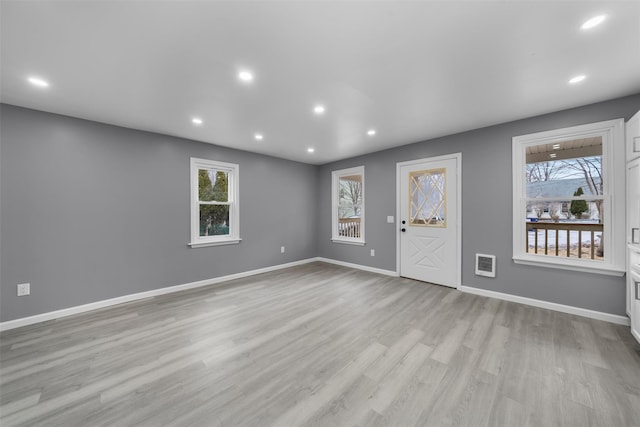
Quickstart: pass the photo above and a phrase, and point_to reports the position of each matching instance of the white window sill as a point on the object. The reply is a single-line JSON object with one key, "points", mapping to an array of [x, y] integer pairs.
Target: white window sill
{"points": [[216, 243], [583, 266], [349, 242]]}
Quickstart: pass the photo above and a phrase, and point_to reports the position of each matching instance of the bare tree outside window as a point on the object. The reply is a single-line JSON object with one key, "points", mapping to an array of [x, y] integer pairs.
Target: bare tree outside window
{"points": [[544, 171], [350, 197]]}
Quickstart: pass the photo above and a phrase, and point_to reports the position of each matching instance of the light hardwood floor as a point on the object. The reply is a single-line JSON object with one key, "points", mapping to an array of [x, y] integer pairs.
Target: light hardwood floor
{"points": [[320, 345]]}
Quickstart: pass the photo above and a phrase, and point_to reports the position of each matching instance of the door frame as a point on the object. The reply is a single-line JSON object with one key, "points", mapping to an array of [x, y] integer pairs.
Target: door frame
{"points": [[399, 165]]}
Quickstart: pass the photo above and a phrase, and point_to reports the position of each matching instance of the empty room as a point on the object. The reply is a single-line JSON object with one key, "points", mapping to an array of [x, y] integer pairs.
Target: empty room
{"points": [[319, 213]]}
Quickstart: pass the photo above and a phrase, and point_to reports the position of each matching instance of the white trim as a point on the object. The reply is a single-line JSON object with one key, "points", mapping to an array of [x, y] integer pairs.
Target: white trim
{"points": [[584, 312], [335, 191], [612, 133], [585, 266], [635, 335], [586, 198], [12, 324], [219, 243], [38, 318], [358, 266], [399, 165], [348, 242]]}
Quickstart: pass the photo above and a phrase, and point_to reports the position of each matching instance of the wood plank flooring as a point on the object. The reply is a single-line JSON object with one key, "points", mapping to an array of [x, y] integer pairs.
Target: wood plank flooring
{"points": [[320, 345]]}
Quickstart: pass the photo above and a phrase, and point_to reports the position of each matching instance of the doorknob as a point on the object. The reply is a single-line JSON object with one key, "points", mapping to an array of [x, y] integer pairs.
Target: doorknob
{"points": [[404, 222]]}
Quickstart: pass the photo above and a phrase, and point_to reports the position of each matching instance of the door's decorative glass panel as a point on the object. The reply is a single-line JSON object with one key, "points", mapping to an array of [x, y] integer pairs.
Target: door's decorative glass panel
{"points": [[427, 195]]}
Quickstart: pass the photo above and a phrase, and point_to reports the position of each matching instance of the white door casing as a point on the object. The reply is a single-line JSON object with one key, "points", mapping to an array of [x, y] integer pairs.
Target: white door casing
{"points": [[428, 198]]}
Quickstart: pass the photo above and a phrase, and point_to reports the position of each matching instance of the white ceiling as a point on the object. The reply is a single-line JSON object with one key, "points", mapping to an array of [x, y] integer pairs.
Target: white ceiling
{"points": [[411, 70]]}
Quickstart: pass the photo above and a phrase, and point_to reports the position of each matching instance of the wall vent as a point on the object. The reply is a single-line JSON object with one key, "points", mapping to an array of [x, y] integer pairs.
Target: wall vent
{"points": [[486, 265]]}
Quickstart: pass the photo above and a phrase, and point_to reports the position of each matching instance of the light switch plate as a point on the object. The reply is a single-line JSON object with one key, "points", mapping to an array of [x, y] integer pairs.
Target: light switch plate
{"points": [[24, 289]]}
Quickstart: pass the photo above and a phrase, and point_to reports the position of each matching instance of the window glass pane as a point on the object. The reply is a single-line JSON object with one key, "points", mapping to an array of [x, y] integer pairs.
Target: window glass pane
{"points": [[565, 169], [350, 198], [349, 227], [347, 195], [213, 186], [214, 220], [427, 191], [574, 233]]}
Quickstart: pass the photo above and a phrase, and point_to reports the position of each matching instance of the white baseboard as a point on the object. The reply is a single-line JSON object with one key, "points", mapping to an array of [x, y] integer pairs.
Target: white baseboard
{"points": [[12, 324], [358, 266], [635, 335], [584, 312]]}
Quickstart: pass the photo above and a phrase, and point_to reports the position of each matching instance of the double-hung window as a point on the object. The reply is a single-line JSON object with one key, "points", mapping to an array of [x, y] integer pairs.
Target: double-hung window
{"points": [[568, 198], [347, 195], [214, 203]]}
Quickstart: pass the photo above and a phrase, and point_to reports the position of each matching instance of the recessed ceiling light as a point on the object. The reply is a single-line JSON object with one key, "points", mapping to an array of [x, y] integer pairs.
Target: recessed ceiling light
{"points": [[577, 79], [371, 132], [593, 22], [310, 150], [258, 137], [196, 121], [319, 109], [245, 76], [553, 155], [556, 146], [37, 81]]}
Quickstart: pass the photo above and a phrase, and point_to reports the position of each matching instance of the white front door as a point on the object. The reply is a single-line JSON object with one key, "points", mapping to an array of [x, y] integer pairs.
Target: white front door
{"points": [[429, 219]]}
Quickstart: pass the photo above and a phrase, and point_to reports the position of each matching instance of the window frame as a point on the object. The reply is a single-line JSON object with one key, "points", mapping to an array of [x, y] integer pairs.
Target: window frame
{"points": [[233, 171], [335, 203], [613, 162]]}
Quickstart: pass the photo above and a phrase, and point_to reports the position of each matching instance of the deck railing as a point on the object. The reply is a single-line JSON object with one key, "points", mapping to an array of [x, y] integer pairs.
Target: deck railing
{"points": [[349, 227], [563, 239]]}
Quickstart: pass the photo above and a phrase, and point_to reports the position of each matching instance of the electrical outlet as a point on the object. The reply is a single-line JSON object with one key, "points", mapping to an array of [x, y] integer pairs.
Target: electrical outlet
{"points": [[373, 252], [281, 249], [24, 289], [390, 219]]}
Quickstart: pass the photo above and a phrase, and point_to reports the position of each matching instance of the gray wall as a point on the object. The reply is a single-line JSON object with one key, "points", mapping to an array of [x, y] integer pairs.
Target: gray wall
{"points": [[487, 207], [91, 211]]}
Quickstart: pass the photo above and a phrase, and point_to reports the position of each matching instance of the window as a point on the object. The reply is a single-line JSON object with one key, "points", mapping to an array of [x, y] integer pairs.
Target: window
{"points": [[568, 198], [347, 194], [214, 203]]}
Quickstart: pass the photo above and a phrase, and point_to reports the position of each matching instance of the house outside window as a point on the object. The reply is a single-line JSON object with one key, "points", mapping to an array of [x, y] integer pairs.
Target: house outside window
{"points": [[347, 195], [568, 198], [214, 203]]}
